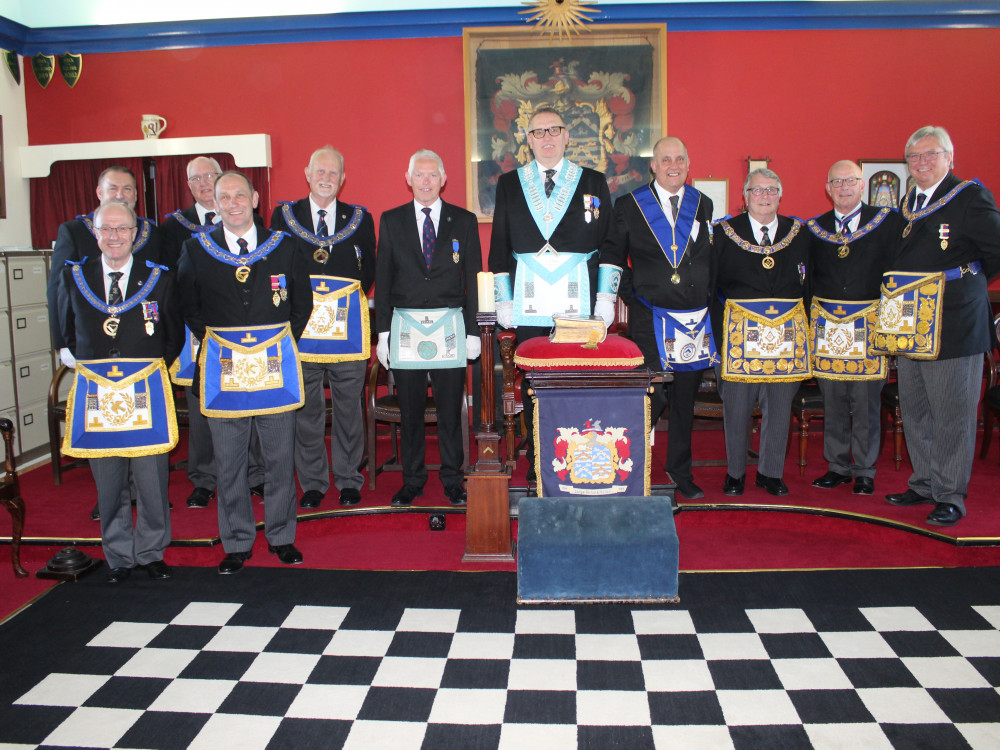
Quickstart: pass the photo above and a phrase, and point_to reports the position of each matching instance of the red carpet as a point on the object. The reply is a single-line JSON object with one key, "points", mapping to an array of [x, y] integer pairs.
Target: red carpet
{"points": [[715, 533]]}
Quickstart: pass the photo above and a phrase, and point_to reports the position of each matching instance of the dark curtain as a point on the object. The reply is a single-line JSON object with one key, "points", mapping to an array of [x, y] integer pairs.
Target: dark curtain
{"points": [[172, 191], [69, 191]]}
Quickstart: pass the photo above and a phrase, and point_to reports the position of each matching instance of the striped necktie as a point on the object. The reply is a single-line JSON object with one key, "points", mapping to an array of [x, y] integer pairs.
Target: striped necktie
{"points": [[115, 292], [321, 228]]}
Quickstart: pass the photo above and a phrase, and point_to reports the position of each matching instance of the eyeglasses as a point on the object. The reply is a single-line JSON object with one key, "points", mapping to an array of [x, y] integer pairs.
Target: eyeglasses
{"points": [[846, 182], [759, 191], [206, 177], [928, 156], [112, 231], [553, 130]]}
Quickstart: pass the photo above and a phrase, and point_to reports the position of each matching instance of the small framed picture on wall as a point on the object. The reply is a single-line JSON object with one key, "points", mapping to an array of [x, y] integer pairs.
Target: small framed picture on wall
{"points": [[886, 181]]}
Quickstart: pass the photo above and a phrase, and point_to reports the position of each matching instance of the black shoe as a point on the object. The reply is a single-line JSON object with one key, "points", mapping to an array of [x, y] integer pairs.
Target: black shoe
{"points": [[944, 514], [233, 561], [907, 498], [159, 570], [258, 490], [311, 499], [95, 513], [830, 480], [287, 553], [688, 489], [456, 495], [733, 486], [199, 497], [772, 485], [864, 486], [350, 496], [117, 575], [407, 495]]}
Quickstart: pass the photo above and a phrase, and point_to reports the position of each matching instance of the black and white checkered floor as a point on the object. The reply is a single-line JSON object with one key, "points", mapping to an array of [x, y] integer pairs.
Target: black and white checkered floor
{"points": [[377, 673]]}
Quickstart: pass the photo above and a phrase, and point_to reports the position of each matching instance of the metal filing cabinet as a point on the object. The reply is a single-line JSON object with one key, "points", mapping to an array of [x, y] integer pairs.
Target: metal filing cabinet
{"points": [[26, 359]]}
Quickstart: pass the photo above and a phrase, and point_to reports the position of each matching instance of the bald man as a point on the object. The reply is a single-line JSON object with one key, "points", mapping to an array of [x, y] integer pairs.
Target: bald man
{"points": [[850, 251]]}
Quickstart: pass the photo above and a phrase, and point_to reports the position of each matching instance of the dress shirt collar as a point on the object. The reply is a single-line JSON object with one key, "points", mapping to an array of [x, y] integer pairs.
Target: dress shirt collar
{"points": [[435, 208], [202, 211], [558, 167], [250, 237], [853, 223], [663, 195], [930, 191], [772, 229], [125, 270], [331, 214]]}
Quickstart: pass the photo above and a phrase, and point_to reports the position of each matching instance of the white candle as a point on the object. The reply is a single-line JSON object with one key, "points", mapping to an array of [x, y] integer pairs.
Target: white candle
{"points": [[487, 303]]}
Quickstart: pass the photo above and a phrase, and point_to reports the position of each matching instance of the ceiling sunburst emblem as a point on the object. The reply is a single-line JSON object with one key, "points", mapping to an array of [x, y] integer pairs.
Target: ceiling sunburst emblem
{"points": [[563, 17]]}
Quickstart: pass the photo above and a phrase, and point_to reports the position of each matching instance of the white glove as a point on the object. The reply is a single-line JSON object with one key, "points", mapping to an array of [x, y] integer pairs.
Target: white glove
{"points": [[505, 313], [382, 349], [67, 358], [605, 309], [473, 347]]}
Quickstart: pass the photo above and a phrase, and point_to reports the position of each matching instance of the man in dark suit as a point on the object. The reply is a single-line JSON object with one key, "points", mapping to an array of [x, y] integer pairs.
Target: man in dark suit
{"points": [[149, 327], [549, 213], [850, 251], [666, 231], [426, 297], [233, 279], [952, 227], [337, 242], [178, 228], [760, 325]]}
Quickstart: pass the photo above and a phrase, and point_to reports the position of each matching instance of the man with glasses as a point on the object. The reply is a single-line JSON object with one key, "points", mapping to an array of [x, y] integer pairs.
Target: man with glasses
{"points": [[850, 251], [552, 224], [666, 231], [337, 241], [951, 228], [760, 325], [77, 239], [115, 309], [181, 225], [246, 296]]}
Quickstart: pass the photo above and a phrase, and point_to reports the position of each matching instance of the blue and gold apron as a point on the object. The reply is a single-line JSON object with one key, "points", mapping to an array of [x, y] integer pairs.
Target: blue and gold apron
{"points": [[766, 340], [338, 329], [842, 333]]}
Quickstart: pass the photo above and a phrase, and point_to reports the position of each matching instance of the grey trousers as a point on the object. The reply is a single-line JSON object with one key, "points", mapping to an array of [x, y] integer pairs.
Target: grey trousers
{"points": [[125, 546], [201, 455], [738, 401], [938, 400], [347, 445], [851, 427], [231, 441]]}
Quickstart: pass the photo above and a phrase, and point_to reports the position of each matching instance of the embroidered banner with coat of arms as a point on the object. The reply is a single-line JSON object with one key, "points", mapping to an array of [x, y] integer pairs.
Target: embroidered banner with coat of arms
{"points": [[120, 407], [249, 371], [842, 333], [338, 329], [592, 442]]}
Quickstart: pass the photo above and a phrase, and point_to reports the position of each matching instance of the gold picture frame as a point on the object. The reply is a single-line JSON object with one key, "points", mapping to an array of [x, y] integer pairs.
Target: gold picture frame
{"points": [[610, 83]]}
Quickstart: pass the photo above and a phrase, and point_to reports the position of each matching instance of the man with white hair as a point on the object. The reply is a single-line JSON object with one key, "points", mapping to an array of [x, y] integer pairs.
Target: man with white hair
{"points": [[952, 230], [426, 299], [761, 329], [337, 241]]}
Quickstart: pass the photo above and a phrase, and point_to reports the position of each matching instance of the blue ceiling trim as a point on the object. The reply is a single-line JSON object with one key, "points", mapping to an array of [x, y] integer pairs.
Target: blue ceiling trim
{"points": [[716, 16]]}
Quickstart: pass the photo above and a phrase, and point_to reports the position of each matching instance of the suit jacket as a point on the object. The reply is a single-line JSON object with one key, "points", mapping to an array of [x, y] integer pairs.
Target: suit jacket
{"points": [[402, 278], [650, 271], [344, 258], [859, 275], [972, 223], [82, 325], [515, 231], [741, 274], [176, 234], [75, 242], [211, 295]]}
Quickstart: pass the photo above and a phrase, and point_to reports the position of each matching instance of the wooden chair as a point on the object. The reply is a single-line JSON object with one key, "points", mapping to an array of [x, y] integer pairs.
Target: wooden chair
{"points": [[57, 415], [991, 394], [806, 406], [385, 408], [892, 416], [10, 494]]}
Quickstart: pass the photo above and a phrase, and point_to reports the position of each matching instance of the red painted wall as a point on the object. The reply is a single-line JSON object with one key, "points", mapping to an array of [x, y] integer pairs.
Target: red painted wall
{"points": [[805, 99]]}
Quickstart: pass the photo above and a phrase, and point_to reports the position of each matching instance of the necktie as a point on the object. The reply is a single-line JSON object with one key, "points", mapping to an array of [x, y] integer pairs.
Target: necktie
{"points": [[845, 225], [209, 218], [115, 292], [766, 240], [674, 207], [921, 200], [549, 182], [244, 246], [321, 228], [430, 239]]}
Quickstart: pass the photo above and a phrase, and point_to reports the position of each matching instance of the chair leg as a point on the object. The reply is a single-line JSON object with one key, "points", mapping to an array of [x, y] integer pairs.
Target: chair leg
{"points": [[987, 429], [372, 462], [897, 438], [803, 443], [55, 454], [15, 506]]}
